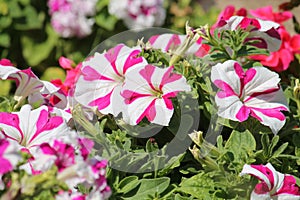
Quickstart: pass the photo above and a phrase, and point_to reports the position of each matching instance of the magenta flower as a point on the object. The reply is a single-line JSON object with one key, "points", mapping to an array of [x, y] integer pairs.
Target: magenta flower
{"points": [[169, 42], [255, 93], [103, 76], [31, 128], [265, 31], [9, 157], [273, 185], [266, 13], [148, 92]]}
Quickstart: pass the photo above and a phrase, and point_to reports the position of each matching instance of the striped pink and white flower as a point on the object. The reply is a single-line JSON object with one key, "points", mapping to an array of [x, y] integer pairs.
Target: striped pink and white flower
{"points": [[103, 76], [170, 42], [30, 128], [9, 157], [264, 31], [273, 185], [148, 93], [255, 93]]}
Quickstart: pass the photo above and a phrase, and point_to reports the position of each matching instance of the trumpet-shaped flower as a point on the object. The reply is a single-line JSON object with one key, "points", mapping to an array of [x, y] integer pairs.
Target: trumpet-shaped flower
{"points": [[253, 93], [31, 128], [9, 157], [169, 42], [273, 185], [264, 31], [148, 93], [103, 76], [28, 84]]}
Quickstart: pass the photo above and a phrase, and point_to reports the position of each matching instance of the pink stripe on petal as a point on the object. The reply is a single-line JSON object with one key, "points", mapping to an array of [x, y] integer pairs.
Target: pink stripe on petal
{"points": [[147, 73], [239, 70], [254, 95], [273, 33], [131, 96], [227, 91], [272, 112], [173, 42], [266, 171], [250, 74], [289, 186], [243, 113], [46, 149], [112, 55], [102, 102], [153, 39], [11, 120], [132, 60], [261, 188], [3, 146], [169, 77], [90, 74], [149, 112]]}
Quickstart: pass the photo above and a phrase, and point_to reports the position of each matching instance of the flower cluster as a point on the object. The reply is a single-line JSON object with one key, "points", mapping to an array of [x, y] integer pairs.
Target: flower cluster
{"points": [[65, 13], [138, 13], [121, 81]]}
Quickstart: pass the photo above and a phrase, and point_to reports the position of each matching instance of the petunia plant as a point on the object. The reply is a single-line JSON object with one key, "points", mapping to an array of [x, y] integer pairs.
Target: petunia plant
{"points": [[168, 116]]}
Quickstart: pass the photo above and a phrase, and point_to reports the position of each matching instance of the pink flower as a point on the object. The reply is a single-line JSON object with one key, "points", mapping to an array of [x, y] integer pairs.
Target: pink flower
{"points": [[266, 13], [265, 31], [103, 76], [148, 92], [170, 42], [64, 13], [138, 13], [273, 185], [228, 12], [255, 93], [281, 59], [5, 62], [9, 157], [31, 128], [28, 84]]}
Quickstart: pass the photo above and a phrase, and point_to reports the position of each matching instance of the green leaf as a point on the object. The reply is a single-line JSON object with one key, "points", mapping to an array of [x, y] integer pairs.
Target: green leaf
{"points": [[52, 73], [280, 150], [4, 40], [128, 184], [106, 21], [199, 186], [35, 52], [149, 187], [241, 143]]}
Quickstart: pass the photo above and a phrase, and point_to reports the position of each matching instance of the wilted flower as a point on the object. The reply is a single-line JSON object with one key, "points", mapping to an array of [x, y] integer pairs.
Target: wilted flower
{"points": [[138, 13], [148, 92], [274, 185], [253, 93]]}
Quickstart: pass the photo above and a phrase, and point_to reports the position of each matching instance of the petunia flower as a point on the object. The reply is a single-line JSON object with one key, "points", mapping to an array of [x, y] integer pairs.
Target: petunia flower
{"points": [[255, 93], [170, 42], [228, 12], [274, 185], [137, 13], [28, 84], [31, 128], [280, 60], [267, 13], [148, 93], [103, 76], [9, 157], [265, 31]]}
